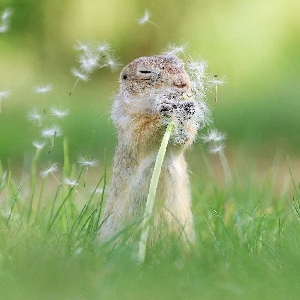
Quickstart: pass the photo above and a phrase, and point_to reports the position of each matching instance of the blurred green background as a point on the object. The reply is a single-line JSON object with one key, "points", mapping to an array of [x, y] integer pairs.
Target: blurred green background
{"points": [[255, 43]]}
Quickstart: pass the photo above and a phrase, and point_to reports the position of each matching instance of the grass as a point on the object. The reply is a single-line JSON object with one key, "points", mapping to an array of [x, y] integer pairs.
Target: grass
{"points": [[248, 244], [248, 234]]}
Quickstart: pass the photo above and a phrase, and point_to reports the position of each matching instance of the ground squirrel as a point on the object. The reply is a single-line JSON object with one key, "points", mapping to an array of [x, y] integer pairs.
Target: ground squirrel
{"points": [[153, 91]]}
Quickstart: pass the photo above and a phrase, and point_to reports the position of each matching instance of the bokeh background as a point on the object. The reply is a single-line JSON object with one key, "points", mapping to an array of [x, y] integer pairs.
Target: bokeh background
{"points": [[254, 43]]}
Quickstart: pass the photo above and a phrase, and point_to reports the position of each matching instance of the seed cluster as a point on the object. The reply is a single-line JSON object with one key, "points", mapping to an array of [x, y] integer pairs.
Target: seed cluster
{"points": [[180, 112]]}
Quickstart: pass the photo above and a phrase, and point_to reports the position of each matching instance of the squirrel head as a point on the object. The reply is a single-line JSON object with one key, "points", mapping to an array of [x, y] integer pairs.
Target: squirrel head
{"points": [[149, 76]]}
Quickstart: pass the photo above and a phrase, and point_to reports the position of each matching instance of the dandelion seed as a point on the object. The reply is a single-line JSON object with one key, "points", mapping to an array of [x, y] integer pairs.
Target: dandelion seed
{"points": [[78, 251], [146, 19], [5, 20], [175, 49], [35, 116], [38, 145], [43, 89], [217, 148], [50, 132], [198, 68], [214, 136], [82, 47], [112, 62], [99, 191], [89, 61], [6, 14], [87, 163], [103, 47], [215, 82], [71, 182], [204, 114], [3, 94], [59, 113], [52, 169], [80, 76], [3, 28], [197, 71]]}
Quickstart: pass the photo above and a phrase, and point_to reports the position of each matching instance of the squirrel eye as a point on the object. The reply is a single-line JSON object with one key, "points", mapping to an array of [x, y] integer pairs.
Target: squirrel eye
{"points": [[145, 73], [124, 76]]}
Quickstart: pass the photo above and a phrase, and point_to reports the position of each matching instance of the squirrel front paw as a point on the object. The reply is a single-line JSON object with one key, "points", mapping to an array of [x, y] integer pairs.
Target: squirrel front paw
{"points": [[183, 113], [167, 109], [186, 110], [181, 110]]}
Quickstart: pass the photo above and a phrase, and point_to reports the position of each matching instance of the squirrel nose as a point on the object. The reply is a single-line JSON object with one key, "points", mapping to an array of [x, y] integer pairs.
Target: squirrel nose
{"points": [[181, 82]]}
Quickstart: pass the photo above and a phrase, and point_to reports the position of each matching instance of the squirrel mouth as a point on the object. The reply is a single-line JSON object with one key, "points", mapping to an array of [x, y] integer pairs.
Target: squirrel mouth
{"points": [[180, 85]]}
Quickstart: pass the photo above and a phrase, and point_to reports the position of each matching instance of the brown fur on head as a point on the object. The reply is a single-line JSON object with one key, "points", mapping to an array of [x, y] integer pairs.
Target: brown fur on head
{"points": [[152, 90], [149, 75]]}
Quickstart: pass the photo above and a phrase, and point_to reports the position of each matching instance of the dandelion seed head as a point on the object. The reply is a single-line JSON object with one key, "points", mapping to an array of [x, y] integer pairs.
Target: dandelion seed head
{"points": [[59, 113], [52, 131], [52, 169], [80, 75], [43, 89], [87, 162]]}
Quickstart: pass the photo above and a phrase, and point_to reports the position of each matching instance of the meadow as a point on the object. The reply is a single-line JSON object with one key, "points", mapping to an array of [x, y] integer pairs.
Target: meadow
{"points": [[52, 191]]}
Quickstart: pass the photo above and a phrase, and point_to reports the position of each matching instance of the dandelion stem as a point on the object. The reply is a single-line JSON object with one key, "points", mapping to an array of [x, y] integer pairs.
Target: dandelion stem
{"points": [[154, 24], [85, 176], [152, 193], [33, 178], [74, 86], [225, 167], [66, 169]]}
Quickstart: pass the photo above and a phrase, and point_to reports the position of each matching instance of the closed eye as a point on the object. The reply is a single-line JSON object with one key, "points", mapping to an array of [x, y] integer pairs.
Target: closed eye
{"points": [[146, 74], [145, 71]]}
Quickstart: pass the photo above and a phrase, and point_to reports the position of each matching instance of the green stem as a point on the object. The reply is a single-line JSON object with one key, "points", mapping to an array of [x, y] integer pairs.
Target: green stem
{"points": [[152, 193], [225, 167]]}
